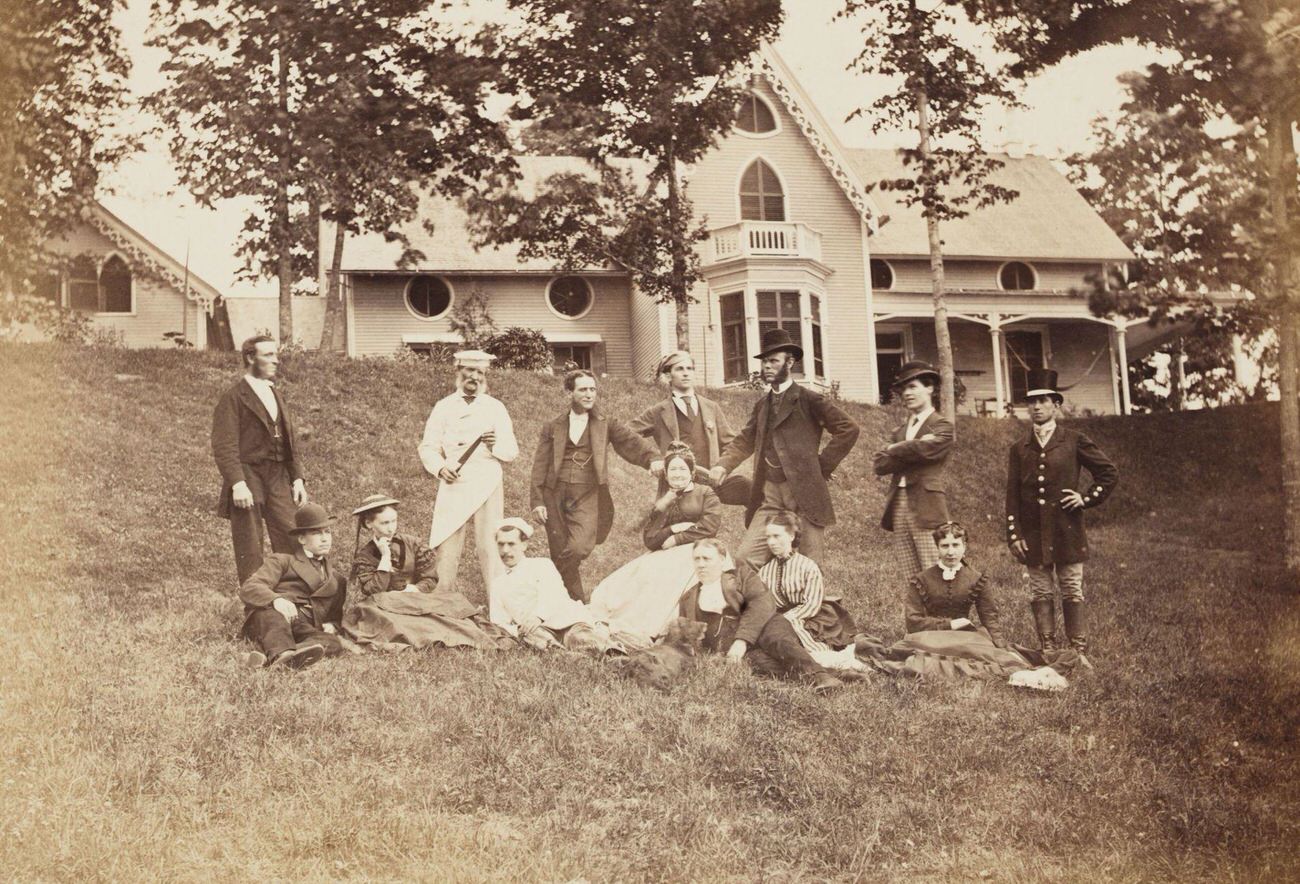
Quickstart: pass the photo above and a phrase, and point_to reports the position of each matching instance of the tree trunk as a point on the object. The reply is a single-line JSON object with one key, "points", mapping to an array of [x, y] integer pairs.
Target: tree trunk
{"points": [[1178, 377], [1281, 192], [943, 342], [330, 331], [283, 223], [677, 238]]}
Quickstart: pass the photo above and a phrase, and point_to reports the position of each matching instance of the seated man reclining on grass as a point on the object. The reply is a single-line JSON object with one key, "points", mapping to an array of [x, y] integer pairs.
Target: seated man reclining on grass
{"points": [[294, 602], [534, 604]]}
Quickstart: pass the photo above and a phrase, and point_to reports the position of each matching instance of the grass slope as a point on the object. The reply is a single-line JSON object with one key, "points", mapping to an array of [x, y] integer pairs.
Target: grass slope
{"points": [[136, 747]]}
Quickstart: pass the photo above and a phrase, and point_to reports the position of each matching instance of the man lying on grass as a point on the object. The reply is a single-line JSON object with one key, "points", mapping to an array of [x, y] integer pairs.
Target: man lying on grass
{"points": [[535, 605], [294, 602]]}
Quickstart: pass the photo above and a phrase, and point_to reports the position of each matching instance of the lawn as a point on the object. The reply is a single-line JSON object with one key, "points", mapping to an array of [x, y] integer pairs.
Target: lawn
{"points": [[136, 746]]}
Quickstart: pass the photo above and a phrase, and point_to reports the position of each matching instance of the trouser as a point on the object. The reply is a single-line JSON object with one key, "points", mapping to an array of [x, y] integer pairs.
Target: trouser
{"points": [[778, 652], [1068, 575], [778, 496], [268, 629], [733, 490], [571, 533], [486, 519], [916, 547], [273, 505]]}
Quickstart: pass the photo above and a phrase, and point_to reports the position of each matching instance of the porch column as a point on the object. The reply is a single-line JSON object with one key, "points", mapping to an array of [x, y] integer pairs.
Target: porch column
{"points": [[995, 333], [1114, 371], [1121, 346]]}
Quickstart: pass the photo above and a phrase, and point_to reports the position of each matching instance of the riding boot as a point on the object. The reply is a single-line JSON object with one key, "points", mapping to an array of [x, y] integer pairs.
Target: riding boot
{"points": [[1076, 624], [1045, 621]]}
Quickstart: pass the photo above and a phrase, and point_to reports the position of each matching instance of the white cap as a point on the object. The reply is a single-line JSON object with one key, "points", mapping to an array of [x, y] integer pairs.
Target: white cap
{"points": [[473, 358], [518, 524]]}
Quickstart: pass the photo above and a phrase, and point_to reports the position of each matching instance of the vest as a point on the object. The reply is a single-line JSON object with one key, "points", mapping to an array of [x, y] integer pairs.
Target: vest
{"points": [[770, 456], [577, 467], [691, 431], [279, 453]]}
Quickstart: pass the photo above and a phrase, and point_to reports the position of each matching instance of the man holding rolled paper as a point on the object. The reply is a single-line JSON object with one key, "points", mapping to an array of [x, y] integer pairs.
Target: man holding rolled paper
{"points": [[466, 439]]}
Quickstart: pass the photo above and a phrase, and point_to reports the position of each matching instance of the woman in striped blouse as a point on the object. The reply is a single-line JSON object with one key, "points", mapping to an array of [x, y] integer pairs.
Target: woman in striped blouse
{"points": [[818, 618]]}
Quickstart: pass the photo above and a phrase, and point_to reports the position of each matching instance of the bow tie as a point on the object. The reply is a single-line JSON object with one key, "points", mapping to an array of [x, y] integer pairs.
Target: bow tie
{"points": [[468, 399]]}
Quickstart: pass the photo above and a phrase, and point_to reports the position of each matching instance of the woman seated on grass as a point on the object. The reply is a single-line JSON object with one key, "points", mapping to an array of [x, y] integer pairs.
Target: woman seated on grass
{"points": [[941, 597], [396, 577], [642, 596], [818, 618]]}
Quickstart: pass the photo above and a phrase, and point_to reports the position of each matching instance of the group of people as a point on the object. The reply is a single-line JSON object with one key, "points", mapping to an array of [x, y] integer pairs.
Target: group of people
{"points": [[768, 603]]}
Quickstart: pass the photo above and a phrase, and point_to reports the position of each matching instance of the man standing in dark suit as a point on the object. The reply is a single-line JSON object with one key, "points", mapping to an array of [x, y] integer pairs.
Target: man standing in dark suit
{"points": [[255, 449], [688, 417], [1045, 510], [570, 481], [914, 459], [791, 470]]}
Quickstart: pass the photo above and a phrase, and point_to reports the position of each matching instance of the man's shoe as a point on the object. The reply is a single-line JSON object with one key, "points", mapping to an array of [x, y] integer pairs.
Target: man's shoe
{"points": [[824, 683], [298, 658], [254, 660]]}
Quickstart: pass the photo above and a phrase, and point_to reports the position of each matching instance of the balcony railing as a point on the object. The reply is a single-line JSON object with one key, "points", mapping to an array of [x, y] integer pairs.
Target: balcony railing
{"points": [[769, 239]]}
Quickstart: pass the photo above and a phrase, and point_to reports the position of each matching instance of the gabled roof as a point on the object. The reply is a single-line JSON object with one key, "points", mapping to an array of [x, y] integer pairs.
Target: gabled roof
{"points": [[1049, 220], [143, 252]]}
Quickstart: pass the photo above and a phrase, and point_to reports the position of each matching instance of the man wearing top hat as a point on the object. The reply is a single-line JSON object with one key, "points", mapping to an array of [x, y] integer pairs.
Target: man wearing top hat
{"points": [[1045, 509], [570, 478], [686, 416], [914, 459], [467, 438], [256, 452], [791, 469], [294, 601]]}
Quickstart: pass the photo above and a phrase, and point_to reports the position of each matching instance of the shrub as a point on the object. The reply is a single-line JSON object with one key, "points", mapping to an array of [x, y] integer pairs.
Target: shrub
{"points": [[516, 347], [472, 321]]}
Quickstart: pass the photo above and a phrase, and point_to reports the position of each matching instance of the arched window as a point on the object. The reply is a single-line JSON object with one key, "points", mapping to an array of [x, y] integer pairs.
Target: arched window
{"points": [[569, 296], [1016, 276], [428, 297], [882, 275], [83, 284], [754, 116], [115, 286], [761, 198]]}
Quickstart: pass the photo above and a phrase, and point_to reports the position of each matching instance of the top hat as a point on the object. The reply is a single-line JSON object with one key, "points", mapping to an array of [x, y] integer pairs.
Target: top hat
{"points": [[1042, 382], [777, 339], [374, 502], [309, 517], [910, 371]]}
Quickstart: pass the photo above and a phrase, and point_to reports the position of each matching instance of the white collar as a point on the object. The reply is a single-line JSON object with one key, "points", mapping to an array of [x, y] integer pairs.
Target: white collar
{"points": [[783, 387], [921, 416], [258, 382], [1045, 431], [689, 394], [579, 418], [949, 575]]}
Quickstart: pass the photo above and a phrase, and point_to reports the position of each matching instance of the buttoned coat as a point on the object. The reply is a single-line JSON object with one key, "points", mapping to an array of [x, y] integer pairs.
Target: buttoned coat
{"points": [[802, 416], [921, 462], [1036, 478], [749, 607], [659, 422], [603, 434], [243, 433], [933, 603], [296, 578]]}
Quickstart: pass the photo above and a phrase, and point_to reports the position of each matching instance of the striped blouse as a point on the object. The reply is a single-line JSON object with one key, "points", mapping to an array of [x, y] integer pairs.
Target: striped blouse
{"points": [[796, 583]]}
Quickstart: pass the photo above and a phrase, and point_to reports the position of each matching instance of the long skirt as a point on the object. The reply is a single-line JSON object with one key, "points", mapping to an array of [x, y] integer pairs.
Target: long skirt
{"points": [[423, 620], [642, 596]]}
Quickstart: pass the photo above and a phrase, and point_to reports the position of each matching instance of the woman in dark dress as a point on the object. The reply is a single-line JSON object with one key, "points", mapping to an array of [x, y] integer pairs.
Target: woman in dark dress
{"points": [[942, 596]]}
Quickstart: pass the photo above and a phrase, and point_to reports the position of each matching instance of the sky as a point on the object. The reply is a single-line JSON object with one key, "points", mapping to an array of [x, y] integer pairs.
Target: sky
{"points": [[1059, 108]]}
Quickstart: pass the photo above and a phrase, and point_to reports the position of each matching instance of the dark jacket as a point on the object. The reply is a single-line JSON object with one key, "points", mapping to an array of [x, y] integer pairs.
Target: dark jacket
{"points": [[243, 433], [1036, 477], [933, 603], [604, 433], [749, 607], [659, 422], [699, 505], [298, 579], [413, 564], [804, 415], [922, 463]]}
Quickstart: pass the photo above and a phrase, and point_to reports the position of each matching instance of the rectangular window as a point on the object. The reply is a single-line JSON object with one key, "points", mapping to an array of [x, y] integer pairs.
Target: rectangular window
{"points": [[732, 308], [48, 287], [819, 362], [1024, 354], [578, 354], [891, 353], [781, 310]]}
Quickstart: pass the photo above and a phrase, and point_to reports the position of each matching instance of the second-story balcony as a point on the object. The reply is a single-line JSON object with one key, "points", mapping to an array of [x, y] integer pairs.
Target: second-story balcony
{"points": [[764, 239]]}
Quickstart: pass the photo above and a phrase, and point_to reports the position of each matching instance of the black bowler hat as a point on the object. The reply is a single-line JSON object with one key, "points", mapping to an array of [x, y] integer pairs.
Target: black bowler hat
{"points": [[910, 371], [1042, 382], [778, 339], [309, 517]]}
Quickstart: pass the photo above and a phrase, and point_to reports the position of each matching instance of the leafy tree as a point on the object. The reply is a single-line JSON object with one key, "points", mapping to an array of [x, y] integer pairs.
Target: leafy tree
{"points": [[639, 89], [62, 95], [943, 85]]}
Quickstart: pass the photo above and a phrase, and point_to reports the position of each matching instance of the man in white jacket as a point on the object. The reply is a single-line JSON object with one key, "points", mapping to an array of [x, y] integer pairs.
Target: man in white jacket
{"points": [[467, 438]]}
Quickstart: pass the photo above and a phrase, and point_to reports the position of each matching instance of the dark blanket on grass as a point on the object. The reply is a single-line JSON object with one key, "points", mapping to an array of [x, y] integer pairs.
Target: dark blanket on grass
{"points": [[957, 654], [424, 620]]}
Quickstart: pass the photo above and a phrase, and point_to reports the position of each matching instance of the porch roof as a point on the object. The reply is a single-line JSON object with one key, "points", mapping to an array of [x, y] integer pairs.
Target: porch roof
{"points": [[1048, 221]]}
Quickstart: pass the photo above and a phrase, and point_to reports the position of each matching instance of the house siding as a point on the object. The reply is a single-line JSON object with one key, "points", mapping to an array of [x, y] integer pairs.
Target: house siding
{"points": [[382, 317], [813, 197], [643, 329], [913, 275]]}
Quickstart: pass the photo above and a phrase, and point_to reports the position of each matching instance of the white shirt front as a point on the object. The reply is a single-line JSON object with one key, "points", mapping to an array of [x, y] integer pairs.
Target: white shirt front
{"points": [[909, 433], [454, 424], [711, 598], [577, 425], [262, 387], [1044, 432], [686, 403], [533, 589], [782, 387]]}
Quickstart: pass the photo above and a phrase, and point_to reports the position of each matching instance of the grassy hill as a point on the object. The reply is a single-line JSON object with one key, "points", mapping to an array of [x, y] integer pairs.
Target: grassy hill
{"points": [[137, 747]]}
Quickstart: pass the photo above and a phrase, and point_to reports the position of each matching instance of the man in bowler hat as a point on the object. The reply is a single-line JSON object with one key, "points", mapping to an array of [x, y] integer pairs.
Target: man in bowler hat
{"points": [[1045, 509], [256, 451], [791, 469]]}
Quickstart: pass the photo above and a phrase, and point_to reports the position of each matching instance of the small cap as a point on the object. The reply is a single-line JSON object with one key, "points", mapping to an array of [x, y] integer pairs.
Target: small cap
{"points": [[666, 364], [374, 502], [518, 524], [473, 358]]}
